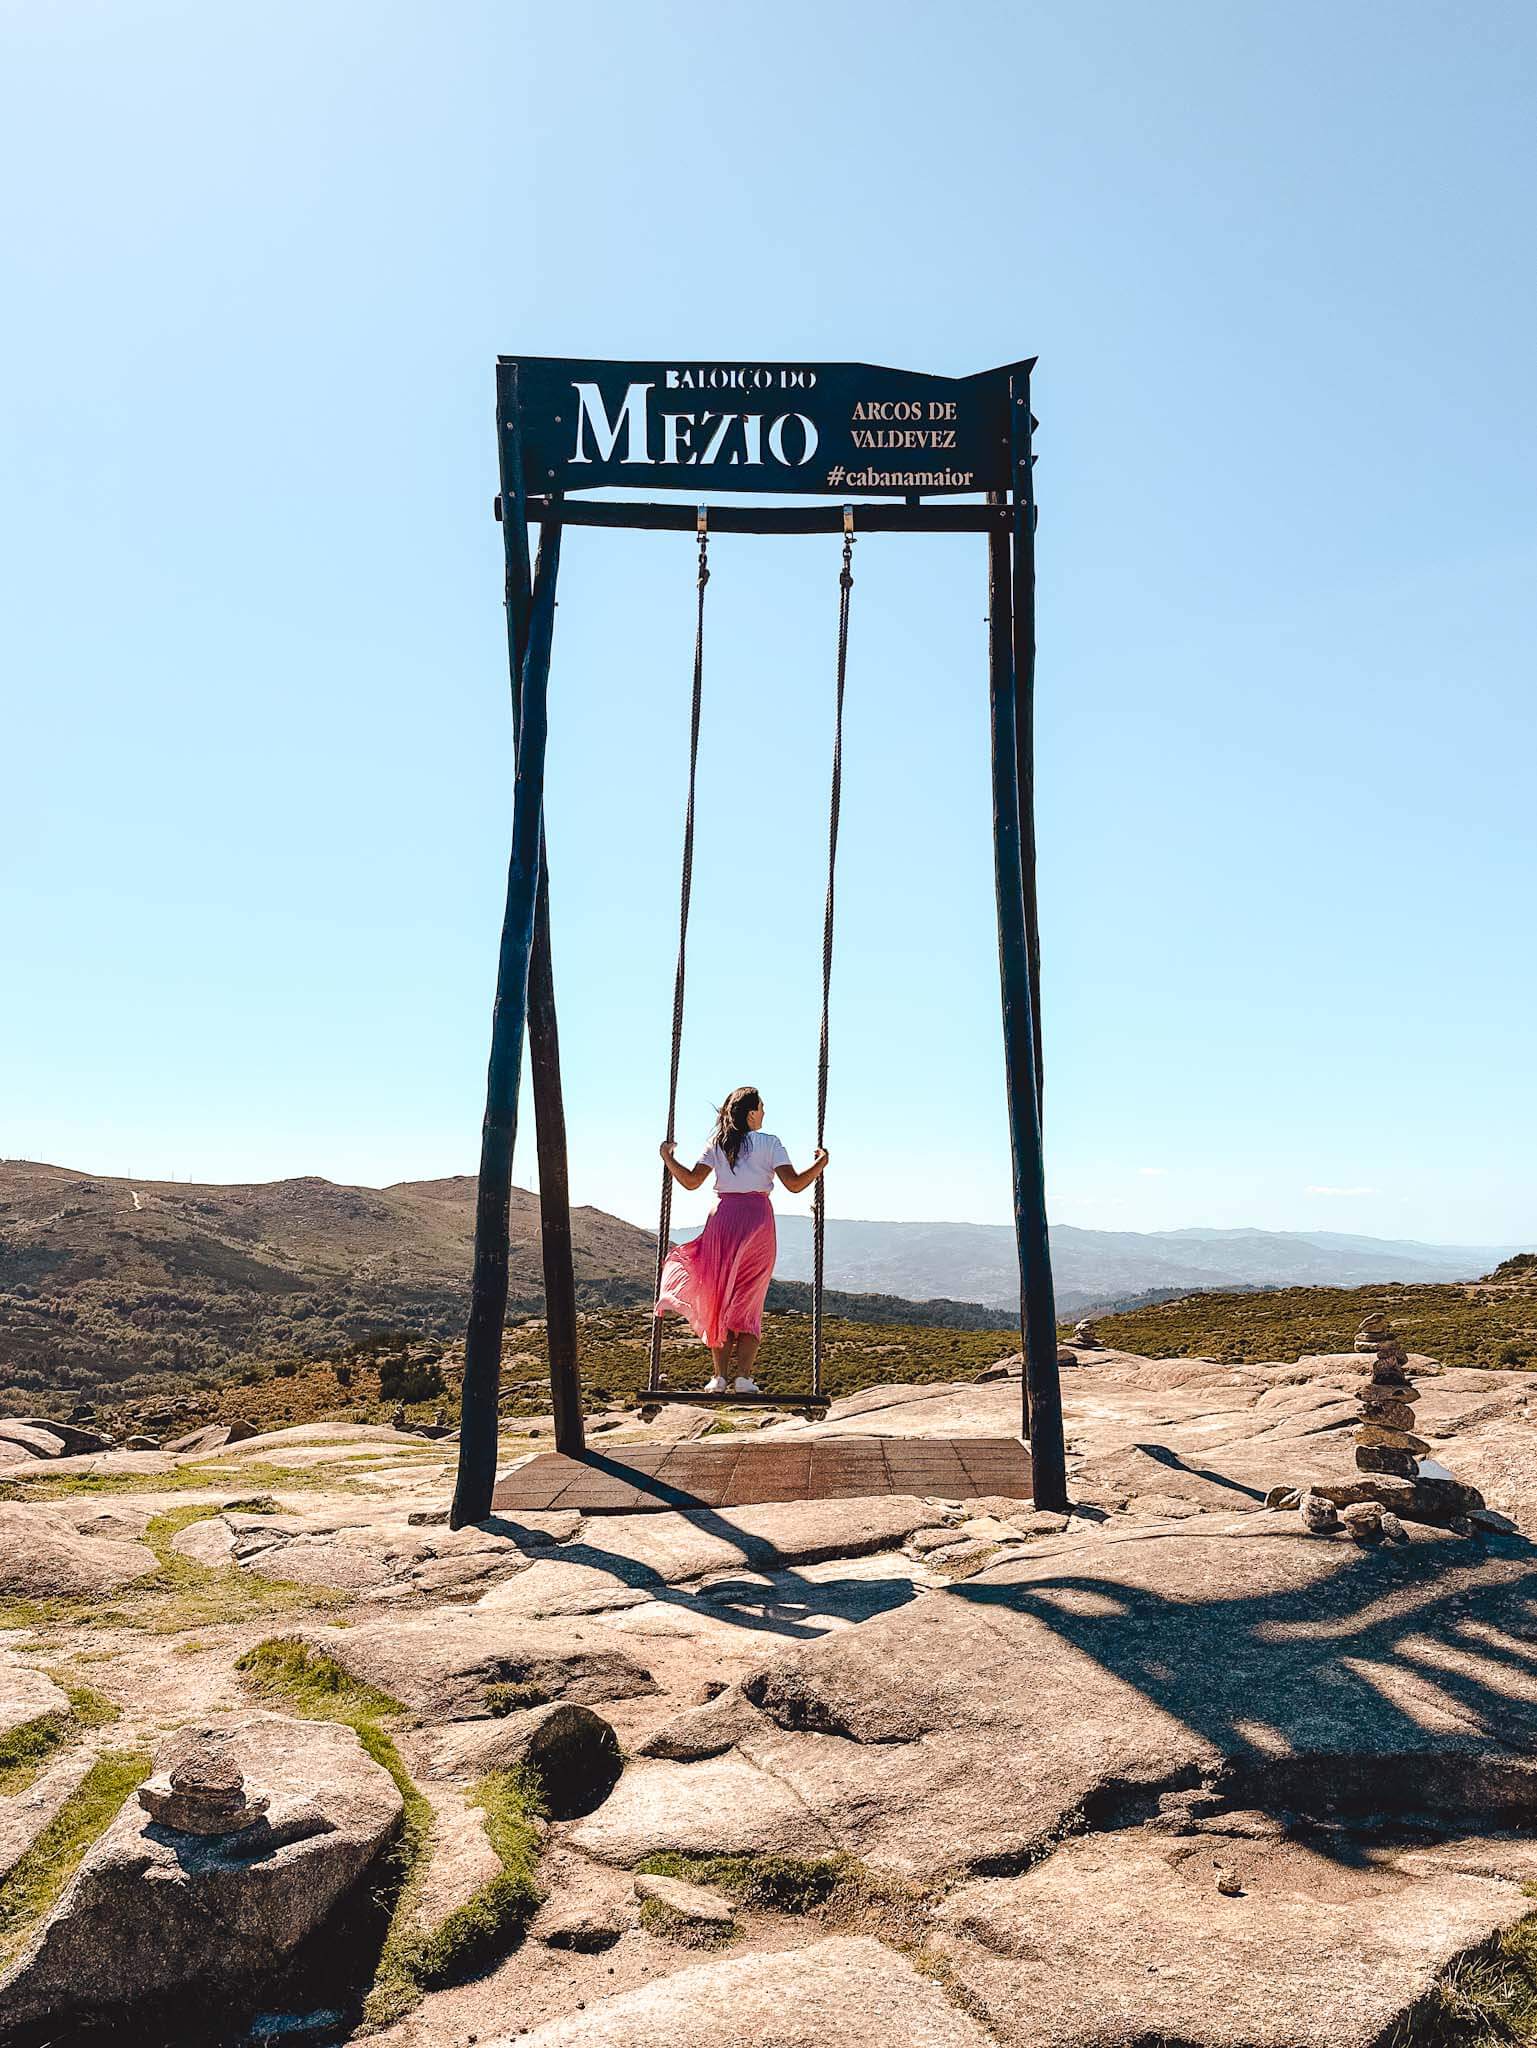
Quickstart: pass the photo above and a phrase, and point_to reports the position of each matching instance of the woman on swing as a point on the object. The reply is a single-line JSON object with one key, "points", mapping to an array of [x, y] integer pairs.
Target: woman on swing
{"points": [[719, 1279]]}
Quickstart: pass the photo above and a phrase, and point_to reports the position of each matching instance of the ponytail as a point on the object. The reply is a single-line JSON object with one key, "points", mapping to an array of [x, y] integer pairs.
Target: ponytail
{"points": [[731, 1132]]}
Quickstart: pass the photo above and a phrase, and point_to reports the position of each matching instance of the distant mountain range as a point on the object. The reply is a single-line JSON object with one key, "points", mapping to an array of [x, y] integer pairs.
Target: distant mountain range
{"points": [[1102, 1268], [105, 1279]]}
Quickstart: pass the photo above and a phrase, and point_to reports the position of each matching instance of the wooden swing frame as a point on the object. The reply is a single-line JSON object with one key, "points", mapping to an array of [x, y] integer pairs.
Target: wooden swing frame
{"points": [[525, 996]]}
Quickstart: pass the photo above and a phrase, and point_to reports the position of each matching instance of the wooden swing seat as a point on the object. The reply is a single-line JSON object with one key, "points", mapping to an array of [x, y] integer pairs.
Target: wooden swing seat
{"points": [[683, 1398]]}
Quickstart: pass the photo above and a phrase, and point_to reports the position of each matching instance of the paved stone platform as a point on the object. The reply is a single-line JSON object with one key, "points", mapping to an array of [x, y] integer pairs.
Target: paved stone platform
{"points": [[727, 1473]]}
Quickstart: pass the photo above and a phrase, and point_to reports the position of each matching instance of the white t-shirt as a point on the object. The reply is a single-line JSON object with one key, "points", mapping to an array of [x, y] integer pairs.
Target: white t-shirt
{"points": [[753, 1173]]}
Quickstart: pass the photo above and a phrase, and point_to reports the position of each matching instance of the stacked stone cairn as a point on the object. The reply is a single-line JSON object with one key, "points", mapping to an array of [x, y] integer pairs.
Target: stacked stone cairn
{"points": [[1385, 1441], [1393, 1481], [1086, 1334], [204, 1795]]}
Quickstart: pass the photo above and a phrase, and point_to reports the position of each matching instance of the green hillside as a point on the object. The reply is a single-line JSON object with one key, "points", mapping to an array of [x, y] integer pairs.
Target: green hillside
{"points": [[1487, 1323]]}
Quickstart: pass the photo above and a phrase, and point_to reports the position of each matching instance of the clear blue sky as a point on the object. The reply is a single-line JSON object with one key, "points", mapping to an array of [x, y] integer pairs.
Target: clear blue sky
{"points": [[1276, 263]]}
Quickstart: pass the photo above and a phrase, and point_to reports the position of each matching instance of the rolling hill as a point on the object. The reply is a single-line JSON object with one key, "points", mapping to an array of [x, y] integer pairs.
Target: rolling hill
{"points": [[104, 1279]]}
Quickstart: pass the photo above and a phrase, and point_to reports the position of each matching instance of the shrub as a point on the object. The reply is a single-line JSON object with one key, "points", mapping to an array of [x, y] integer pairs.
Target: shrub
{"points": [[513, 1696], [410, 1379]]}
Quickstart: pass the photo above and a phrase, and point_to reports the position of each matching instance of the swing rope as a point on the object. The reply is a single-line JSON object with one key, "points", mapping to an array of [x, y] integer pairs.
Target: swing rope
{"points": [[664, 1224], [819, 1191], [686, 890]]}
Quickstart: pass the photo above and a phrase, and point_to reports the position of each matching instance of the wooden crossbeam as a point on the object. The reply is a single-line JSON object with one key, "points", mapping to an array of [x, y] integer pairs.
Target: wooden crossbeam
{"points": [[875, 517]]}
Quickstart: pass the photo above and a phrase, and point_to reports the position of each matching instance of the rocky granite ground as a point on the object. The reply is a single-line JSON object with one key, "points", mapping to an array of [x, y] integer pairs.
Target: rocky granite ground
{"points": [[893, 1771]]}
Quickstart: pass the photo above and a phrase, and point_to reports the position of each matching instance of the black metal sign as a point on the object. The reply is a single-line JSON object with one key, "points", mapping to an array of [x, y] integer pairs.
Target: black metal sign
{"points": [[846, 429]]}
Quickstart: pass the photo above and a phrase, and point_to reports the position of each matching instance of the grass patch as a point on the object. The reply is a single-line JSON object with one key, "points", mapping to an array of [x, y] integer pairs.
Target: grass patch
{"points": [[40, 1876], [475, 1936], [27, 1750], [38, 1613], [88, 1707], [776, 1884], [189, 1595], [402, 1871], [182, 1594], [511, 1696], [941, 1971], [964, 1567], [839, 1890], [478, 1933], [1488, 2000], [663, 1921], [313, 1684], [316, 1687], [253, 1473]]}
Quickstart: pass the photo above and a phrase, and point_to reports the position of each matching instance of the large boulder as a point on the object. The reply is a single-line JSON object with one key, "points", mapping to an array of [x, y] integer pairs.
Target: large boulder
{"points": [[73, 1436], [846, 1989], [573, 1752], [120, 1463], [300, 1443], [462, 1664], [155, 1913], [211, 1436], [644, 1554], [26, 1694], [1089, 1675], [624, 1561], [33, 1439], [24, 1815], [44, 1557], [1125, 1938], [370, 1550]]}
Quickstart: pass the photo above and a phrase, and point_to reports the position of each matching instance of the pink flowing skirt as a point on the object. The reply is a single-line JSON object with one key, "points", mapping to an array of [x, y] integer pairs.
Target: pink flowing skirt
{"points": [[719, 1279]]}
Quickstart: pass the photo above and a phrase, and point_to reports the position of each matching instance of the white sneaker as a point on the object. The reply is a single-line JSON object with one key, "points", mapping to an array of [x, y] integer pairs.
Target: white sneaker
{"points": [[716, 1386], [745, 1387]]}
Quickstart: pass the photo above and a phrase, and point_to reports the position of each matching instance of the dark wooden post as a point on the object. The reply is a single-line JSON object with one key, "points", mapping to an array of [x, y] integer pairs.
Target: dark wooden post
{"points": [[1042, 1397], [488, 1287], [560, 1324], [1022, 463]]}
